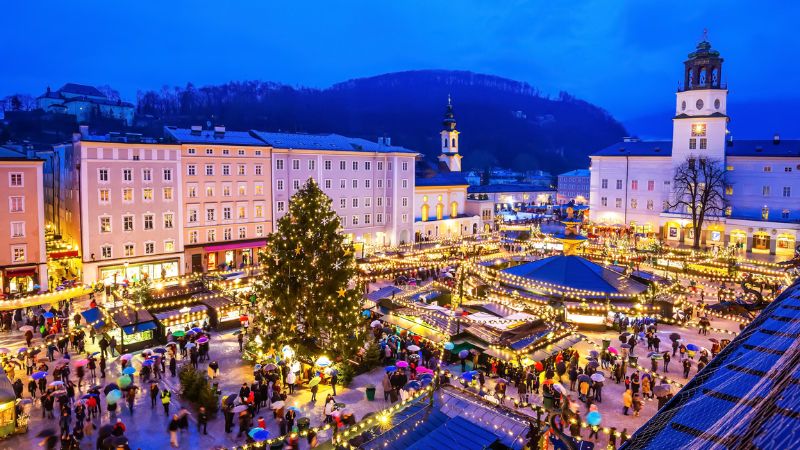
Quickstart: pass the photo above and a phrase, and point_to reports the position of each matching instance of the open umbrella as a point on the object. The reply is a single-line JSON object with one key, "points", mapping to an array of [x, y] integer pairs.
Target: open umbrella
{"points": [[692, 348], [258, 434], [402, 364], [110, 387], [413, 348], [625, 346], [674, 336], [46, 433], [148, 362], [593, 418], [160, 350], [661, 390], [413, 386], [202, 340], [388, 369], [39, 375], [594, 353], [277, 405], [126, 357], [469, 375], [191, 345], [538, 366], [113, 396], [655, 355], [375, 324], [624, 336], [502, 381], [314, 381], [598, 377], [197, 330], [22, 350], [424, 370], [713, 340], [229, 399], [463, 354], [240, 408], [179, 333], [593, 364], [129, 370], [25, 328], [449, 346], [124, 381], [81, 362], [270, 366], [294, 408], [560, 388], [48, 315], [613, 351], [584, 377], [56, 383]]}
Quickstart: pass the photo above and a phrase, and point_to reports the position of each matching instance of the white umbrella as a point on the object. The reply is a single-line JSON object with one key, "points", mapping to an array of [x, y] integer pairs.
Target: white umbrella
{"points": [[598, 377], [375, 323], [277, 405], [413, 348]]}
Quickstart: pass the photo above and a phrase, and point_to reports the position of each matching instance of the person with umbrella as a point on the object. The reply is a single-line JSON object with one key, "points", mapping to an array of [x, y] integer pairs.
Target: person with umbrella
{"points": [[32, 388], [166, 397]]}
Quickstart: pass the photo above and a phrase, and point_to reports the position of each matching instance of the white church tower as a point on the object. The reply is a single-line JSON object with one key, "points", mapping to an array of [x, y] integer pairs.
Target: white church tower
{"points": [[450, 156], [700, 122]]}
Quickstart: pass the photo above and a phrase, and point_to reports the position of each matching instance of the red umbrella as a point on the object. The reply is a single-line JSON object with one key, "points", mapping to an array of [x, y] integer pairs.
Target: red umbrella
{"points": [[538, 366]]}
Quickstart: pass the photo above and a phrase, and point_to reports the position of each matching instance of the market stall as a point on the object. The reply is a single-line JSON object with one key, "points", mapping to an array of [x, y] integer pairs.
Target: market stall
{"points": [[223, 310], [8, 411], [134, 328], [178, 319]]}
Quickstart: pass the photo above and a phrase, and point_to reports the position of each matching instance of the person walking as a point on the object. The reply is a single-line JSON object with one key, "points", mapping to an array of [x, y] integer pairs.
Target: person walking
{"points": [[173, 428], [667, 358], [202, 420], [173, 366], [334, 380], [637, 405], [240, 339], [687, 364], [627, 401], [291, 379], [154, 391], [165, 399]]}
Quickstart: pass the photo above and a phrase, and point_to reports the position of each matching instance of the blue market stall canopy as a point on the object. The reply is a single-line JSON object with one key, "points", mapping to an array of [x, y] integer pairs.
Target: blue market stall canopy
{"points": [[747, 397], [94, 315], [138, 328], [133, 320], [384, 292], [577, 273]]}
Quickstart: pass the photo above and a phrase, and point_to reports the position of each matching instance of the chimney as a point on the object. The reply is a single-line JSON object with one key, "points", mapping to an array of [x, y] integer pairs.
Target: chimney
{"points": [[84, 130], [197, 129], [380, 140], [776, 139], [387, 141], [219, 129]]}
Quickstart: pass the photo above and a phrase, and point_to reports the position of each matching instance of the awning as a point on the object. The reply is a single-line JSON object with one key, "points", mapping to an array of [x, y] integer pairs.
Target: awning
{"points": [[415, 328], [234, 246], [24, 272], [94, 315], [139, 327], [63, 254], [178, 312]]}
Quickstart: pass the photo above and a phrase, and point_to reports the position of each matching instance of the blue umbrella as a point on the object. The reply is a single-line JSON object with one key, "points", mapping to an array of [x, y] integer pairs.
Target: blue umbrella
{"points": [[692, 347], [160, 350], [258, 434], [197, 330], [148, 362], [391, 368], [48, 315], [412, 385], [593, 418], [449, 346], [39, 375], [469, 375], [425, 376], [129, 370]]}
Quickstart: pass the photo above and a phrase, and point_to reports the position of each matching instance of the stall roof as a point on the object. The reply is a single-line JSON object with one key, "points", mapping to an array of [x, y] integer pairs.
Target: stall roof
{"points": [[6, 389], [175, 312], [124, 316], [93, 315], [384, 292], [216, 302], [413, 327]]}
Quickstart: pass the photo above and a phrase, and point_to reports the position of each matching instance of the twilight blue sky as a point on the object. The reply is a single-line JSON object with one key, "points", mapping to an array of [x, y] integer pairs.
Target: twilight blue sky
{"points": [[622, 55]]}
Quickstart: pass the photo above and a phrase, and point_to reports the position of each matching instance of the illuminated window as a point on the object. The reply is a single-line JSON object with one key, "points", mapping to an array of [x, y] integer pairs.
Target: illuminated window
{"points": [[425, 212], [454, 210], [439, 211]]}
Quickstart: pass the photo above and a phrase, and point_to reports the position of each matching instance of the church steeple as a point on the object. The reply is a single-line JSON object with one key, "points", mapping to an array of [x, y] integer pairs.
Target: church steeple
{"points": [[449, 136], [703, 69]]}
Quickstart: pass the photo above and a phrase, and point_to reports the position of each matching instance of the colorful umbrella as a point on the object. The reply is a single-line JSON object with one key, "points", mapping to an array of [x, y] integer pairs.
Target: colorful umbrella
{"points": [[56, 383], [48, 315], [25, 328], [126, 357], [148, 362], [413, 386], [598, 377], [202, 340], [463, 354], [314, 381], [593, 418], [277, 405], [191, 345], [402, 364], [124, 381], [449, 346], [323, 361], [258, 434], [375, 324], [413, 348], [197, 330], [179, 333], [81, 362], [113, 396], [129, 370], [160, 350], [692, 347], [39, 375], [613, 351], [390, 369], [240, 408], [270, 366]]}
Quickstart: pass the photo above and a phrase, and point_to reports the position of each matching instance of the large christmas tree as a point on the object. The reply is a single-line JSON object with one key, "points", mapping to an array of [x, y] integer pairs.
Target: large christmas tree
{"points": [[303, 296]]}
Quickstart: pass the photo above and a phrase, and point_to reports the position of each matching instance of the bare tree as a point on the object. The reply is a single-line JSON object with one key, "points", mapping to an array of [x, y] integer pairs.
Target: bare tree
{"points": [[698, 188]]}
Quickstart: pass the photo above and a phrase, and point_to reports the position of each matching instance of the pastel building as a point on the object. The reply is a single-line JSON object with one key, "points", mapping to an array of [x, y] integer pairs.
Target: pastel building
{"points": [[371, 184], [573, 185], [440, 195], [632, 181], [23, 257], [226, 204], [131, 211]]}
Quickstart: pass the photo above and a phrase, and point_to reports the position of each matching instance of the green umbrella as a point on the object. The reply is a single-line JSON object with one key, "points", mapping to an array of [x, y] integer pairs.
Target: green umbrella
{"points": [[314, 381], [179, 333]]}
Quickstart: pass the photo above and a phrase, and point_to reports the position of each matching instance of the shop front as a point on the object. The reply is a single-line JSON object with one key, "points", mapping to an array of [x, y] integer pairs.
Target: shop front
{"points": [[785, 244], [134, 272], [224, 311], [761, 242], [224, 256], [20, 280]]}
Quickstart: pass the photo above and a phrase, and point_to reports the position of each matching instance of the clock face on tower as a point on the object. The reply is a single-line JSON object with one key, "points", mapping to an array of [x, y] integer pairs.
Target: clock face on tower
{"points": [[699, 104], [716, 103]]}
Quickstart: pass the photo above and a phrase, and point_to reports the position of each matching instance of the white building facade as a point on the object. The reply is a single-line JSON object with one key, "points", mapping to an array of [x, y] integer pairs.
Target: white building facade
{"points": [[631, 182]]}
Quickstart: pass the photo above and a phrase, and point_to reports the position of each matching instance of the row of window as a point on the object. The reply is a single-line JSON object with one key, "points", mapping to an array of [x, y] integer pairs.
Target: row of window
{"points": [[650, 205], [227, 213], [210, 169], [128, 222], [129, 249], [766, 191], [193, 189], [127, 175], [225, 152], [328, 184], [227, 234], [104, 195], [328, 165], [651, 184], [768, 169]]}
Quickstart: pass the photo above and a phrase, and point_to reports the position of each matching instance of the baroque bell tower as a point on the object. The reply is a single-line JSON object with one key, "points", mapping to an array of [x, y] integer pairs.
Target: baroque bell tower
{"points": [[701, 121], [449, 135]]}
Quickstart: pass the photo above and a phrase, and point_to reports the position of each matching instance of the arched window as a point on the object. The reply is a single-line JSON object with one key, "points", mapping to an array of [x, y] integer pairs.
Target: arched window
{"points": [[425, 212], [439, 212], [715, 77], [690, 78], [453, 210], [453, 144], [444, 142], [702, 81]]}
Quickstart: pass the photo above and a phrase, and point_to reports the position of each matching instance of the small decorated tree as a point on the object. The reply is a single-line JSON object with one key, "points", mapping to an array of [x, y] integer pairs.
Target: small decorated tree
{"points": [[303, 296]]}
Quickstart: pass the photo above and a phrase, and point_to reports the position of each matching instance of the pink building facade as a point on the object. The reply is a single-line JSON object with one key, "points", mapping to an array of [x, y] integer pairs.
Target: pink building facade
{"points": [[131, 209], [226, 199], [23, 257]]}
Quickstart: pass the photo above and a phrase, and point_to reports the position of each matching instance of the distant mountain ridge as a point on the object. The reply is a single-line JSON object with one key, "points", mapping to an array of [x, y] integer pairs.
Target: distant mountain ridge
{"points": [[502, 121]]}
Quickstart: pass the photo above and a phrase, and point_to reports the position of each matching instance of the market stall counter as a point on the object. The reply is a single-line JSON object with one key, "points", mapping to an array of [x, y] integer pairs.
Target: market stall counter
{"points": [[135, 328]]}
